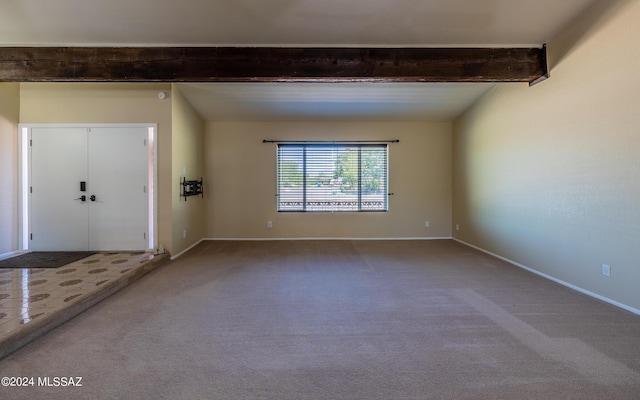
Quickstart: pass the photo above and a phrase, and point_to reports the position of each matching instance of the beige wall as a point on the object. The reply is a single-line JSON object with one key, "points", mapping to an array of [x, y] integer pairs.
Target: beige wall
{"points": [[9, 113], [241, 171], [188, 154], [549, 176], [104, 103]]}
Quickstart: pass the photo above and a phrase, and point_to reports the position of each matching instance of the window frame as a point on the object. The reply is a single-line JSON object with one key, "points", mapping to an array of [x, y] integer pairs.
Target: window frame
{"points": [[344, 147]]}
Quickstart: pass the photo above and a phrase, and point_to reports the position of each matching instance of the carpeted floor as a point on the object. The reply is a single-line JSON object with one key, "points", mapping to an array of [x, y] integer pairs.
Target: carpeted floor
{"points": [[338, 320], [44, 259]]}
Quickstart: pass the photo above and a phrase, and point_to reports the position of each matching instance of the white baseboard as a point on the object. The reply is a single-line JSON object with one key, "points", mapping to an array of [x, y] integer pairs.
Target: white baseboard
{"points": [[10, 254], [330, 238], [186, 250], [296, 238], [556, 280]]}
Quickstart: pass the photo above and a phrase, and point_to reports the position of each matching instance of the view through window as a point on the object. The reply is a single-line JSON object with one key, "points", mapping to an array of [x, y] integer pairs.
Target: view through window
{"points": [[332, 177]]}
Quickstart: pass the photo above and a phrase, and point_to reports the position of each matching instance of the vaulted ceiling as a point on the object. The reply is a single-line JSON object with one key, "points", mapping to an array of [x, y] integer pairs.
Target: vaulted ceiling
{"points": [[299, 23]]}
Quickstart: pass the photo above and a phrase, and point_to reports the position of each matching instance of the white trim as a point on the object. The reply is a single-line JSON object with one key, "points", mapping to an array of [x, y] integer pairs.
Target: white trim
{"points": [[328, 238], [187, 249], [153, 200], [10, 254], [23, 187], [310, 238], [556, 280], [89, 125]]}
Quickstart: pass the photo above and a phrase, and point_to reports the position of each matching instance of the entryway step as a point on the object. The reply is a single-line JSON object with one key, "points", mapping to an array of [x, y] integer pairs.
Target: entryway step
{"points": [[35, 300]]}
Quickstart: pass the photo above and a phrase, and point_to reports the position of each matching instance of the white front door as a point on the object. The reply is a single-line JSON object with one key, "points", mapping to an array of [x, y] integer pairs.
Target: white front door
{"points": [[59, 217], [113, 163], [118, 178]]}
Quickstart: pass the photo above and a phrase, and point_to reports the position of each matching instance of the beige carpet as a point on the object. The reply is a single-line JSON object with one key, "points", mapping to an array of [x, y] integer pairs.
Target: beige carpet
{"points": [[338, 320]]}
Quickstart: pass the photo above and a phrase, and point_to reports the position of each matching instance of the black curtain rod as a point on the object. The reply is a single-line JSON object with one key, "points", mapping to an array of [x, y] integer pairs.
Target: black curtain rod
{"points": [[331, 141]]}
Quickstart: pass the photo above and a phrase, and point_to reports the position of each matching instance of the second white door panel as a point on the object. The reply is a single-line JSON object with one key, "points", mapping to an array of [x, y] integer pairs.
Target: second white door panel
{"points": [[118, 176]]}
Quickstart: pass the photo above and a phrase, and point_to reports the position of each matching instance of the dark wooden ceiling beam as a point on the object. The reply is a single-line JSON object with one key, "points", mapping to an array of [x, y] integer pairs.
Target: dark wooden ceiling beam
{"points": [[270, 64]]}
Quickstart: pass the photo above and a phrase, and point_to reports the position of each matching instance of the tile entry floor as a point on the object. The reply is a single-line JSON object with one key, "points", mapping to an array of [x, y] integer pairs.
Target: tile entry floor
{"points": [[38, 299]]}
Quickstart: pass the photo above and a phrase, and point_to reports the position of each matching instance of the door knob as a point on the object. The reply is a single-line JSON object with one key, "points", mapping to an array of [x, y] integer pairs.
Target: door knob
{"points": [[83, 198], [92, 197]]}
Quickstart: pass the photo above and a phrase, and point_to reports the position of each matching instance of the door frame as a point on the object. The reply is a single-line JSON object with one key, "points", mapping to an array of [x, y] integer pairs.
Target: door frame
{"points": [[24, 177]]}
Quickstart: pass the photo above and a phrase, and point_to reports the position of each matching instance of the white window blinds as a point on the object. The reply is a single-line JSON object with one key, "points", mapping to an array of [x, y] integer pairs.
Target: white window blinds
{"points": [[332, 177]]}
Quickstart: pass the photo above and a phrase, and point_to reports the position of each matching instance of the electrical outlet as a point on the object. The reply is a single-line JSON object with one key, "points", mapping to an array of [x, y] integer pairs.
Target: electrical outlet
{"points": [[606, 270], [457, 227], [184, 233], [269, 224], [426, 224]]}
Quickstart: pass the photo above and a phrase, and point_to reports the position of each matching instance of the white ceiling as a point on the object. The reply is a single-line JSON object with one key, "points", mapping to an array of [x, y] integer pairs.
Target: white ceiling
{"points": [[304, 23], [315, 101]]}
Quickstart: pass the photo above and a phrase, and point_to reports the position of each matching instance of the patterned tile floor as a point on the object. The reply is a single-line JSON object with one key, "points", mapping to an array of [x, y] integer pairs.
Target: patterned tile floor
{"points": [[33, 301]]}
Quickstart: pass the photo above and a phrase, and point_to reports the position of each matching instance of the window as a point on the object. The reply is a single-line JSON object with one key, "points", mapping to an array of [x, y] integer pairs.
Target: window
{"points": [[331, 177]]}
